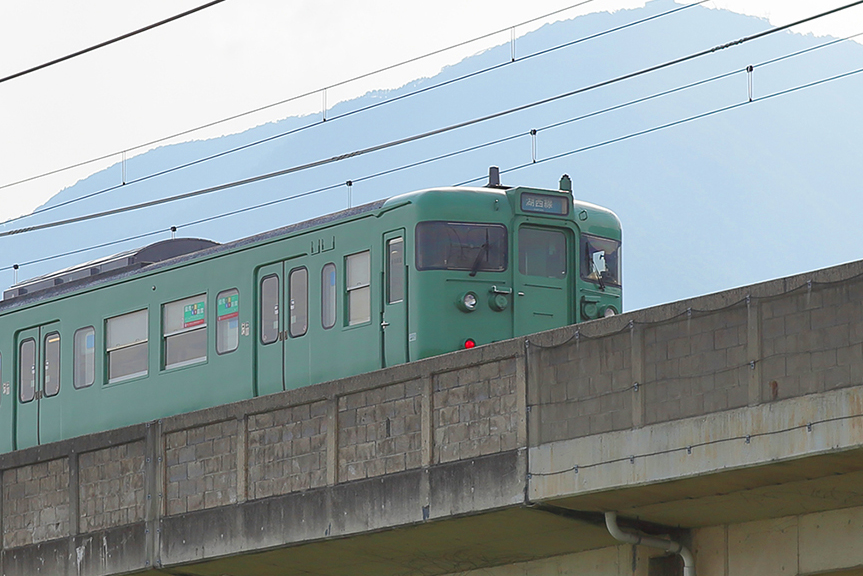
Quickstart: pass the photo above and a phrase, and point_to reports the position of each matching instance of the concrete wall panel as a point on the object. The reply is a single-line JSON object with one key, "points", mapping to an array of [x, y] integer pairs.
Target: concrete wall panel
{"points": [[767, 548]]}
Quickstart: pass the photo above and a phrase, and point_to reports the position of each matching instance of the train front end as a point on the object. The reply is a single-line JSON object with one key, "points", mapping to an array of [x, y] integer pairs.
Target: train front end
{"points": [[494, 263]]}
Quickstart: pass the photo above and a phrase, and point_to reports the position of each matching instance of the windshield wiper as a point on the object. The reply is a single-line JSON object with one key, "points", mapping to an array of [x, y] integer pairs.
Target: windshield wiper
{"points": [[596, 268], [482, 250]]}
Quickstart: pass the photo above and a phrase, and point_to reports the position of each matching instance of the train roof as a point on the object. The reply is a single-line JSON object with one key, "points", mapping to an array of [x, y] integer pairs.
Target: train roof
{"points": [[152, 257], [174, 251]]}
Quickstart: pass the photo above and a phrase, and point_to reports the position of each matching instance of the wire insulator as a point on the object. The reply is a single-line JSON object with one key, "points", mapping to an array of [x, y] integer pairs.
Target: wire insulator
{"points": [[749, 70]]}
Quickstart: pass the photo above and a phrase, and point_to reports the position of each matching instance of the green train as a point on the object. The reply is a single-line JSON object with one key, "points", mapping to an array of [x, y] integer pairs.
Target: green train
{"points": [[185, 324]]}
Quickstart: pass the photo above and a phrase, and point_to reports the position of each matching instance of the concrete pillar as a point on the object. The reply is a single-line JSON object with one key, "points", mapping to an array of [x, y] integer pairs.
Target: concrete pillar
{"points": [[753, 348]]}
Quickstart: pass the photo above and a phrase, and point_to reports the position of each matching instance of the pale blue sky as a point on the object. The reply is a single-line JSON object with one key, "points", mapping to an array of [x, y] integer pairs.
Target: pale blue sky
{"points": [[234, 57]]}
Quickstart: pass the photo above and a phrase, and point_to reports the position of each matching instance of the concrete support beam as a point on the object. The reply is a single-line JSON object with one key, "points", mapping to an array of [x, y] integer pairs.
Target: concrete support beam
{"points": [[739, 407]]}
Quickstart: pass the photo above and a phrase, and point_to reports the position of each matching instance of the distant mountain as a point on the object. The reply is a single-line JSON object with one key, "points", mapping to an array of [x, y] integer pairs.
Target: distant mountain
{"points": [[764, 190]]}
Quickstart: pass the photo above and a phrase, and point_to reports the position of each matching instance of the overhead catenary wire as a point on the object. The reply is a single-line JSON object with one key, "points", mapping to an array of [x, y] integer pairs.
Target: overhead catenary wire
{"points": [[344, 114], [109, 42], [469, 149], [424, 135], [302, 95], [160, 173]]}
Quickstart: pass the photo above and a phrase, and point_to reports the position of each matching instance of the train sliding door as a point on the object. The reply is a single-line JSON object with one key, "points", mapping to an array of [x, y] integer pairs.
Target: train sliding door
{"points": [[283, 320], [542, 278], [394, 319], [270, 330], [37, 379]]}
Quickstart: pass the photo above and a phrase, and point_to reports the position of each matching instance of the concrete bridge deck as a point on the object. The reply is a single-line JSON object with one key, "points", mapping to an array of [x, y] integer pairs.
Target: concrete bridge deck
{"points": [[731, 422]]}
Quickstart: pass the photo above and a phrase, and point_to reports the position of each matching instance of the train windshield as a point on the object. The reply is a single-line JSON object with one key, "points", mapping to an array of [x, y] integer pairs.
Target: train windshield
{"points": [[600, 260], [461, 246]]}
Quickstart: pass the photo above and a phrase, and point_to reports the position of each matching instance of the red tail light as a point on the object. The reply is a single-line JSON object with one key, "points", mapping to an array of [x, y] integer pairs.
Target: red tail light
{"points": [[469, 343]]}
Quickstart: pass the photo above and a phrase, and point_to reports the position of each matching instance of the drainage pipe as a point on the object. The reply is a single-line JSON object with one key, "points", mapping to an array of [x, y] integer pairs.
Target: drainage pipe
{"points": [[661, 543]]}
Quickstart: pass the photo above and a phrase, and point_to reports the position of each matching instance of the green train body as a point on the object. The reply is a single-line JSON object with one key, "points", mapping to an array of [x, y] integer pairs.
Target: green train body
{"points": [[416, 275]]}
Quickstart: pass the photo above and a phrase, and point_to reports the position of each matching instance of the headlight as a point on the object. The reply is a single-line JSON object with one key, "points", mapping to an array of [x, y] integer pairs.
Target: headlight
{"points": [[609, 312], [467, 302]]}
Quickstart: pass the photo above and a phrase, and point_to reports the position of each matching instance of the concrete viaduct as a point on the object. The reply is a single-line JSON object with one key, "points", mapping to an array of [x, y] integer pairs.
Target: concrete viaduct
{"points": [[731, 424]]}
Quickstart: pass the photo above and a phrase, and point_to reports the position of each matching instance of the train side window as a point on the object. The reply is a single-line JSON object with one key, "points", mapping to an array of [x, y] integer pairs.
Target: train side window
{"points": [[600, 260], [299, 308], [328, 296], [51, 375], [184, 328], [395, 270], [27, 370], [358, 287], [542, 253], [270, 309], [227, 321], [127, 346], [84, 357]]}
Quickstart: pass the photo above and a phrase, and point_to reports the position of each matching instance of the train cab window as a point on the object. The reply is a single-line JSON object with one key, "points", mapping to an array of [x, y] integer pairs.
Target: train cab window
{"points": [[51, 374], [184, 329], [227, 321], [127, 346], [298, 283], [270, 309], [328, 296], [27, 370], [395, 270], [84, 358], [461, 246], [542, 253], [358, 287], [600, 260]]}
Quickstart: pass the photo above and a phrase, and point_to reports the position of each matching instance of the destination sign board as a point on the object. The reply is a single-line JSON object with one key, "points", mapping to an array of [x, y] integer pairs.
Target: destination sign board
{"points": [[545, 204]]}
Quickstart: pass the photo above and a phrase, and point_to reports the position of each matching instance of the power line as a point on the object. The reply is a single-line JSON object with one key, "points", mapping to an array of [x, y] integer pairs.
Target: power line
{"points": [[421, 136], [299, 96], [350, 113], [685, 120], [109, 42], [505, 139]]}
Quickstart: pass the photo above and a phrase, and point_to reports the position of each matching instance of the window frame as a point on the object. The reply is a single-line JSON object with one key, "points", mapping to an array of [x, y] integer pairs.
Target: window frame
{"points": [[331, 306], [33, 369], [261, 308], [56, 371], [181, 334], [585, 269], [427, 258], [221, 319], [400, 274], [76, 358], [357, 289], [125, 346], [560, 233], [291, 300]]}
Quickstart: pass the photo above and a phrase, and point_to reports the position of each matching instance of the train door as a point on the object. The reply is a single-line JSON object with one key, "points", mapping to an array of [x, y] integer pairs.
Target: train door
{"points": [[37, 378], [542, 278], [296, 339], [270, 330], [394, 317]]}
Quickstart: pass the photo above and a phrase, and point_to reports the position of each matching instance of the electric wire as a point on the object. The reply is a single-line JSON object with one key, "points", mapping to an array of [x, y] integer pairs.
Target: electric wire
{"points": [[347, 114], [300, 96], [438, 131], [683, 121], [109, 42], [473, 148], [746, 438]]}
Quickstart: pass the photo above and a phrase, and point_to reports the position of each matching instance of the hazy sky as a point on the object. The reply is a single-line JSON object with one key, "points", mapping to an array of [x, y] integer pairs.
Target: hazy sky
{"points": [[237, 56]]}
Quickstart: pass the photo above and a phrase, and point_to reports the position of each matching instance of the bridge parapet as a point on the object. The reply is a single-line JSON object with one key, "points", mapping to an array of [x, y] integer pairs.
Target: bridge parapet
{"points": [[777, 340], [501, 426]]}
